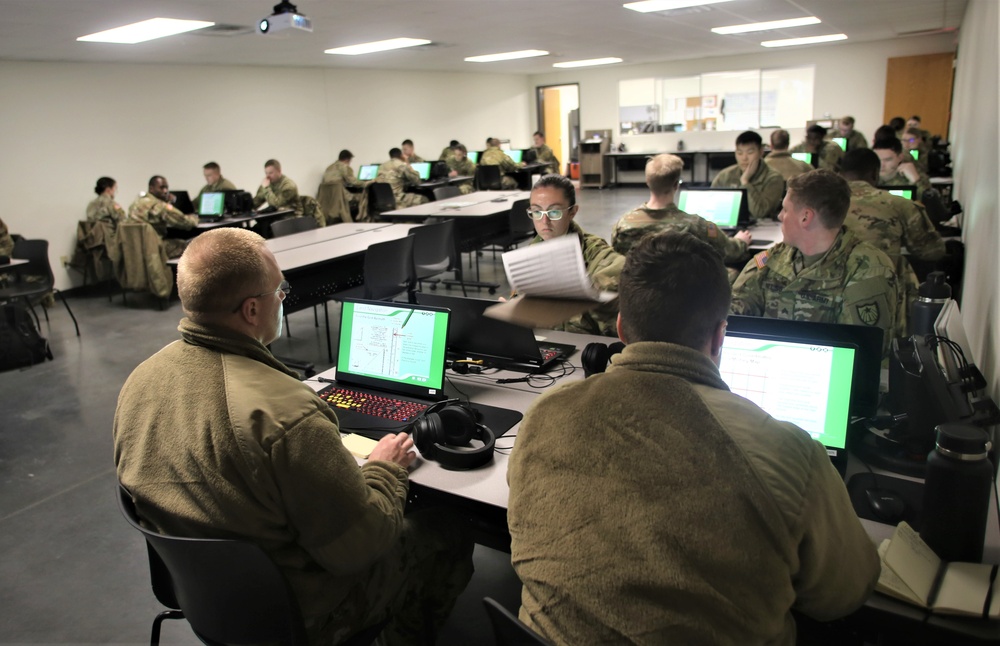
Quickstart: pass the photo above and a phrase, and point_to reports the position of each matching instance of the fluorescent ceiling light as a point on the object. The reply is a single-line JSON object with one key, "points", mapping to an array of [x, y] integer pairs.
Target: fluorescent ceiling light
{"points": [[811, 40], [588, 62], [648, 6], [140, 32], [506, 56], [765, 26], [378, 46]]}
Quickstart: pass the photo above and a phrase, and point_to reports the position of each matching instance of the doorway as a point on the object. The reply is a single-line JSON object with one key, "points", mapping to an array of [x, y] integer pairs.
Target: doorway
{"points": [[559, 119]]}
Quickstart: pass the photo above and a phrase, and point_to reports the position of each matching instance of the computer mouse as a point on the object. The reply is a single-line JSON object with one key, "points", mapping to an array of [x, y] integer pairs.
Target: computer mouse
{"points": [[887, 505]]}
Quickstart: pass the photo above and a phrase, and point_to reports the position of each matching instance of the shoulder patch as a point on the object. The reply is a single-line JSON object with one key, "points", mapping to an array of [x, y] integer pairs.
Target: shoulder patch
{"points": [[713, 231], [761, 258], [868, 313]]}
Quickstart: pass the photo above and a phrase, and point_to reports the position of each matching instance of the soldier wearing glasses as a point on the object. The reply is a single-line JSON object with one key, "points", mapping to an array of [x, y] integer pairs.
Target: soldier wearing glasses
{"points": [[553, 206]]}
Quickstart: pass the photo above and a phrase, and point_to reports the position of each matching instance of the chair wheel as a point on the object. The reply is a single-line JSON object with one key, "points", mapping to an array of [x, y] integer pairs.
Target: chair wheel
{"points": [[493, 290], [434, 287]]}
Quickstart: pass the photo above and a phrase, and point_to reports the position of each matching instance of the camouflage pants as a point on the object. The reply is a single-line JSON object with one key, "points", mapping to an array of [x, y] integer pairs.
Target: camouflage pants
{"points": [[409, 199], [174, 247], [415, 585], [508, 183]]}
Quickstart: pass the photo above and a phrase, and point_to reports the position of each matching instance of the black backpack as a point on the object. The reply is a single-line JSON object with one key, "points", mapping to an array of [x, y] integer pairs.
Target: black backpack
{"points": [[20, 343]]}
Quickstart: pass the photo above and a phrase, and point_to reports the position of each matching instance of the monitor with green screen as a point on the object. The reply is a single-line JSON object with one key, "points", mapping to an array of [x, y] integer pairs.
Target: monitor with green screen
{"points": [[516, 155], [368, 172], [915, 154], [840, 141], [902, 192], [423, 169], [212, 204], [473, 155], [805, 157], [719, 206]]}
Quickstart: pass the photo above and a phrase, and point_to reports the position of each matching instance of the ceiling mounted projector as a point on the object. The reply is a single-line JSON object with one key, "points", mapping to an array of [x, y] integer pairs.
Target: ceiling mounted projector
{"points": [[285, 16]]}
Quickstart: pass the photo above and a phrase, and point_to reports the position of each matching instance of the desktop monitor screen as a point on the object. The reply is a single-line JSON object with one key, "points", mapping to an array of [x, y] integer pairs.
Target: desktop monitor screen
{"points": [[805, 157], [915, 154], [840, 141], [212, 204], [908, 192], [423, 169], [721, 206], [473, 155], [368, 172], [516, 155]]}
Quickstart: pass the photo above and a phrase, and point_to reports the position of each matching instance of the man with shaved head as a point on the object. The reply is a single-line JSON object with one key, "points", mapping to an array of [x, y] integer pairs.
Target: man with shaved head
{"points": [[216, 438]]}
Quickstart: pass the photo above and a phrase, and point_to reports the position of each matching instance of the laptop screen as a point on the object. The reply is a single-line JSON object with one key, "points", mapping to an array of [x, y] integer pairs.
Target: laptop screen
{"points": [[368, 172], [474, 156], [908, 192], [915, 154], [423, 169], [803, 157], [840, 141], [807, 384], [719, 206], [516, 155], [394, 346], [212, 204]]}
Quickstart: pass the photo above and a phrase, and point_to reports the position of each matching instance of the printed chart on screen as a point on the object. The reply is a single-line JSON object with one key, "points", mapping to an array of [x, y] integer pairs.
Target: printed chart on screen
{"points": [[392, 343]]}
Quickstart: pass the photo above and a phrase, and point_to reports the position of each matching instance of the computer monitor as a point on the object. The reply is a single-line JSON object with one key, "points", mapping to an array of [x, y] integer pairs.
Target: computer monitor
{"points": [[908, 192], [212, 205], [368, 172], [473, 155], [726, 207], [804, 157], [915, 154], [840, 141], [423, 169], [516, 155]]}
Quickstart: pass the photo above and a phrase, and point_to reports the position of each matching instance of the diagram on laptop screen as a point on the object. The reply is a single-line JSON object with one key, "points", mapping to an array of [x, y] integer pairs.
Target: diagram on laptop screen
{"points": [[395, 343], [807, 385]]}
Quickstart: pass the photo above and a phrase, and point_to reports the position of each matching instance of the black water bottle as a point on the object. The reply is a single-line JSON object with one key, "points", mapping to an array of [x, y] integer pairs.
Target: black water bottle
{"points": [[931, 298], [957, 493]]}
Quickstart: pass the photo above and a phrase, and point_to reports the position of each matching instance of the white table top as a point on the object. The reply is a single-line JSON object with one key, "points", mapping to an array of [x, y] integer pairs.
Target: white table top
{"points": [[478, 204], [324, 234], [14, 262], [765, 230], [340, 247]]}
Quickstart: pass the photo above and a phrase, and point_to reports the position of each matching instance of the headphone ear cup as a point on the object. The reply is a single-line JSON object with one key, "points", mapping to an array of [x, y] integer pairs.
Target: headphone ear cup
{"points": [[458, 425], [594, 358], [427, 431]]}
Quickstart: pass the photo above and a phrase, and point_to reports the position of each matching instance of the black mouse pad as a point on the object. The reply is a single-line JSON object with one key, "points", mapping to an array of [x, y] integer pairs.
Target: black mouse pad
{"points": [[499, 420], [911, 492]]}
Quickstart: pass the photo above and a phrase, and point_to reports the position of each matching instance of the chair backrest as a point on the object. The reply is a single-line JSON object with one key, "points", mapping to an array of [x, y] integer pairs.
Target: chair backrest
{"points": [[488, 178], [434, 248], [380, 198], [508, 629], [36, 252], [444, 192], [229, 590], [389, 268], [521, 226], [292, 225]]}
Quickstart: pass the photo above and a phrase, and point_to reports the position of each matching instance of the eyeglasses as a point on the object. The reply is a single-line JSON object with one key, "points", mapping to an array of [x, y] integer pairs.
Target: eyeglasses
{"points": [[283, 287], [552, 214]]}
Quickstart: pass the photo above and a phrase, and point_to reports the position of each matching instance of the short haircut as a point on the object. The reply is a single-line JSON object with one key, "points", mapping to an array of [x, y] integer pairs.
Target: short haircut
{"points": [[749, 137], [860, 163], [273, 163], [558, 181], [345, 155], [453, 143], [407, 142], [395, 153], [211, 166], [816, 129], [103, 184], [780, 140], [915, 117], [847, 121], [897, 123], [888, 144], [673, 289], [884, 133], [824, 192], [152, 180], [539, 133], [461, 147], [219, 267], [489, 140], [663, 172]]}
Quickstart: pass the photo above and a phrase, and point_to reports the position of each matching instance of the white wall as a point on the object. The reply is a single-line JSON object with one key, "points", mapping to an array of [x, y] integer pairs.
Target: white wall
{"points": [[976, 160], [850, 79], [66, 124]]}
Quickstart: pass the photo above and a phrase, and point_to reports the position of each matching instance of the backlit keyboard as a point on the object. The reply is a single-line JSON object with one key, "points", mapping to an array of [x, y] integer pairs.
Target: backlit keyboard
{"points": [[375, 405]]}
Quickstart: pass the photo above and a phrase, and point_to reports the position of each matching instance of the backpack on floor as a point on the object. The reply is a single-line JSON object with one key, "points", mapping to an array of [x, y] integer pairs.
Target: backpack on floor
{"points": [[20, 343]]}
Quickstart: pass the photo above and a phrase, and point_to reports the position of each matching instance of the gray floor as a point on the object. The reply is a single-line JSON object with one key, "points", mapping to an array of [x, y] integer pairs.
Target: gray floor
{"points": [[72, 570]]}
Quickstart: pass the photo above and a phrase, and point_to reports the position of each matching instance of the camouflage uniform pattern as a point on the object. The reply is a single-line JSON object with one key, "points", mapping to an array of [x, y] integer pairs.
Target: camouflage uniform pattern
{"points": [[466, 167], [545, 154], [853, 282], [283, 194], [638, 222], [604, 266], [446, 154], [829, 155], [493, 156], [764, 192], [217, 187], [160, 215], [787, 166], [6, 242], [104, 207], [399, 175], [340, 173], [889, 222], [855, 140], [415, 159]]}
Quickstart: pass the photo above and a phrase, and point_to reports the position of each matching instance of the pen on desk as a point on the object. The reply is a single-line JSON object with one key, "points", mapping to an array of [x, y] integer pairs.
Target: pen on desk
{"points": [[326, 380], [407, 320]]}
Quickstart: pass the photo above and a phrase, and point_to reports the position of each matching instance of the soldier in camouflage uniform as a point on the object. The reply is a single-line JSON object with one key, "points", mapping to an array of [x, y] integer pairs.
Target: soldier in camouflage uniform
{"points": [[447, 151], [659, 213], [764, 186], [340, 176], [6, 242], [214, 182], [154, 209], [854, 138], [897, 170], [821, 271], [409, 156], [544, 154], [889, 223], [104, 207], [554, 193], [400, 176], [277, 189], [781, 160], [913, 140], [460, 164], [494, 156], [826, 154]]}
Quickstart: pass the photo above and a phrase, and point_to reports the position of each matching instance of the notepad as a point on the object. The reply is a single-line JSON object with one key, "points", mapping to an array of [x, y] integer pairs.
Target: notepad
{"points": [[359, 445]]}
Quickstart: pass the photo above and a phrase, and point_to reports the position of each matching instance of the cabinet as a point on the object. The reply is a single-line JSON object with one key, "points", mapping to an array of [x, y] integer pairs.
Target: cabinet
{"points": [[594, 166]]}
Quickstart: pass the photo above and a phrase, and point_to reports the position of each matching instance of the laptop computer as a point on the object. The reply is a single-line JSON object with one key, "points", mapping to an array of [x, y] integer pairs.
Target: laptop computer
{"points": [[909, 192], [390, 363], [212, 207], [182, 201], [498, 343], [516, 155], [368, 172], [840, 141], [423, 169], [473, 156], [803, 157], [728, 208]]}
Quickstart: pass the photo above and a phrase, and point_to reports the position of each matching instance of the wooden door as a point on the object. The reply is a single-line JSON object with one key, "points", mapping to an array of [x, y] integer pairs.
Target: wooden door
{"points": [[921, 85], [552, 122]]}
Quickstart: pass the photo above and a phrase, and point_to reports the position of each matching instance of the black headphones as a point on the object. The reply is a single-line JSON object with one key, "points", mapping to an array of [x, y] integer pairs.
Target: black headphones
{"points": [[448, 424], [597, 356]]}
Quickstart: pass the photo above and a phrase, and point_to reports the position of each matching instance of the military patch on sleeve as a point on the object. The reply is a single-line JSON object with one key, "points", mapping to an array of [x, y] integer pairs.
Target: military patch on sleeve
{"points": [[761, 259], [868, 313], [713, 231]]}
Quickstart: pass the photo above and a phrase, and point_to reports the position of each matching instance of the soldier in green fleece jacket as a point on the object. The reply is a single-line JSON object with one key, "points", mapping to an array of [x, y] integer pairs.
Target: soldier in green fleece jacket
{"points": [[216, 438], [688, 515]]}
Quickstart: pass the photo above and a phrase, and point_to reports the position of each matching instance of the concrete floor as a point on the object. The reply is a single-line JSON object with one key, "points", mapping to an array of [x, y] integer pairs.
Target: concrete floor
{"points": [[73, 572]]}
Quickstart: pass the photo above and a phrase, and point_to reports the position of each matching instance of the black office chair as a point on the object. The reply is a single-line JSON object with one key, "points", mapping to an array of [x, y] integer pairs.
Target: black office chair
{"points": [[520, 228], [229, 591], [292, 225], [36, 252], [444, 192], [435, 252], [488, 178], [380, 199], [508, 629]]}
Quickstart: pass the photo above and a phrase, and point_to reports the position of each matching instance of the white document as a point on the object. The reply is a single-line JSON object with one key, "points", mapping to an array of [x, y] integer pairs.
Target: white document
{"points": [[552, 269]]}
